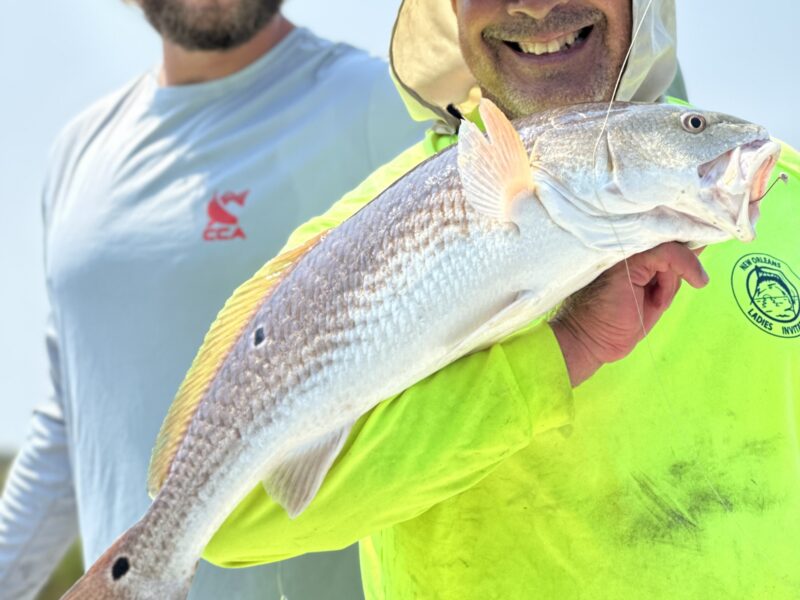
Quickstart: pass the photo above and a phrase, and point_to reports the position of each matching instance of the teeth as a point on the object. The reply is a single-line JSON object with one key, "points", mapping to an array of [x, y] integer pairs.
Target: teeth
{"points": [[551, 47]]}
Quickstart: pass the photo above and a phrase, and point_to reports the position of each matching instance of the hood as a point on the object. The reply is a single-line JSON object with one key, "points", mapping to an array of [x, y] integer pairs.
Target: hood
{"points": [[431, 74]]}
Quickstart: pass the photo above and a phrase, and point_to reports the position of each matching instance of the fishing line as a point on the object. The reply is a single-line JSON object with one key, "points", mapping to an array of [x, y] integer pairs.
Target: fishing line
{"points": [[280, 582], [639, 309], [603, 130], [781, 177], [619, 78], [659, 381]]}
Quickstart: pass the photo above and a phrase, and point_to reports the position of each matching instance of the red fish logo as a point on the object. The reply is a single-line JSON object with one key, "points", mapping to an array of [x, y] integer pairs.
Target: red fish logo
{"points": [[222, 224]]}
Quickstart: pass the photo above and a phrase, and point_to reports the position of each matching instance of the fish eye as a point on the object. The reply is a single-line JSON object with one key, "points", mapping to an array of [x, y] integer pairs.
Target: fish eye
{"points": [[258, 337], [693, 123], [121, 566]]}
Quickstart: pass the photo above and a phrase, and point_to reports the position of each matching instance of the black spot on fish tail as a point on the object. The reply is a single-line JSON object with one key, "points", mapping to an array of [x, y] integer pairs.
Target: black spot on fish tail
{"points": [[121, 566]]}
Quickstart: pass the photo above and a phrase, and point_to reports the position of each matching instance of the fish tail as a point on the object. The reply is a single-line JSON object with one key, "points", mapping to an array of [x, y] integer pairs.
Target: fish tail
{"points": [[127, 571]]}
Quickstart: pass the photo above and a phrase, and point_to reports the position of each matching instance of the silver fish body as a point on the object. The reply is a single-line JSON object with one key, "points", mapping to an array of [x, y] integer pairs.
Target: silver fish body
{"points": [[440, 264]]}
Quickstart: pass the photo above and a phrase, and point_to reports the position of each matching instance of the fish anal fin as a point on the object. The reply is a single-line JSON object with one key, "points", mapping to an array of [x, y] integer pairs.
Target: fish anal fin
{"points": [[295, 482], [496, 173], [226, 329]]}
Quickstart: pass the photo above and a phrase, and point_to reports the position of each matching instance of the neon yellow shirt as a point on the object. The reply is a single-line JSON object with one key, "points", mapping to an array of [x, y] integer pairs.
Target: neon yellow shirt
{"points": [[674, 473]]}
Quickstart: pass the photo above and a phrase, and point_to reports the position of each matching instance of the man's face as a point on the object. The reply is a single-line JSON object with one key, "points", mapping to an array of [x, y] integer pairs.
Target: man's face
{"points": [[530, 55], [209, 24]]}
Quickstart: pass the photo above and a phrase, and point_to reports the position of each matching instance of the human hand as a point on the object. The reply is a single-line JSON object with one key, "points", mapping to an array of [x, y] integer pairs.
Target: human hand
{"points": [[601, 323]]}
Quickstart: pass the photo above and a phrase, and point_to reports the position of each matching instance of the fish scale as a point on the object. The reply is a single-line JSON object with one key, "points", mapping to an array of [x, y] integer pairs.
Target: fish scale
{"points": [[468, 247]]}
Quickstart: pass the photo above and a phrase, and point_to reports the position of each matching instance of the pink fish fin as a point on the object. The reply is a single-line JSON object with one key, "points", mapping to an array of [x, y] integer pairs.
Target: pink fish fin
{"points": [[221, 338], [496, 173], [521, 311], [295, 482]]}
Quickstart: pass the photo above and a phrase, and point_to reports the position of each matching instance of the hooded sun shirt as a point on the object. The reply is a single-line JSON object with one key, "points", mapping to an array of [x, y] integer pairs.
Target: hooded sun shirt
{"points": [[670, 474], [431, 73]]}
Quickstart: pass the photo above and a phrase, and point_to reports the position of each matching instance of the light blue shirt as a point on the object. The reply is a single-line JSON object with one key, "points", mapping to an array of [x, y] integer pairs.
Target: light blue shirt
{"points": [[158, 203]]}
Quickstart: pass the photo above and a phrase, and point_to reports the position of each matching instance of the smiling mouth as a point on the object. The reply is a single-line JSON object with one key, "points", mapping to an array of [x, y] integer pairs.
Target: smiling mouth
{"points": [[562, 44]]}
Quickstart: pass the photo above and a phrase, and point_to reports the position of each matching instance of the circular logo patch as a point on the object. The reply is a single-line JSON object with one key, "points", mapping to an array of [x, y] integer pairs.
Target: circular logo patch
{"points": [[768, 293]]}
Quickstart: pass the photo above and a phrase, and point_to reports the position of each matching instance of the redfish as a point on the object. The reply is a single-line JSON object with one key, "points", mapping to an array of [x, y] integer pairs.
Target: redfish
{"points": [[471, 245]]}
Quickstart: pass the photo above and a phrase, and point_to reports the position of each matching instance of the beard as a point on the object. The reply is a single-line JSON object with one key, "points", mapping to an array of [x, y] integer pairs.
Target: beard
{"points": [[209, 24]]}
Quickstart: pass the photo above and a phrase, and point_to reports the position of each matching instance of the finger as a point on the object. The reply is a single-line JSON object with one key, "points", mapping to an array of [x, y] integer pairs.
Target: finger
{"points": [[687, 266], [665, 287], [673, 257], [659, 294]]}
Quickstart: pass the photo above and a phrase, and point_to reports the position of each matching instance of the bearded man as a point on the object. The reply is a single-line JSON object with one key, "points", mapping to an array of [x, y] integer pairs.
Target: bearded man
{"points": [[160, 199], [526, 470]]}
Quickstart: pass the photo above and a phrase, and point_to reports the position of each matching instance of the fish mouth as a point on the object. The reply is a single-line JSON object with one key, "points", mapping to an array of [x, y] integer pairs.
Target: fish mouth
{"points": [[737, 181], [763, 161]]}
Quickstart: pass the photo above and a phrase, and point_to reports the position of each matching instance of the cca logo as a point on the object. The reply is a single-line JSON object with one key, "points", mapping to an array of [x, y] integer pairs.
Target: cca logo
{"points": [[222, 224]]}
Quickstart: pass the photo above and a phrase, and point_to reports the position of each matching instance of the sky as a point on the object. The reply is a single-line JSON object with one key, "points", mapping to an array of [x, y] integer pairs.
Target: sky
{"points": [[737, 56]]}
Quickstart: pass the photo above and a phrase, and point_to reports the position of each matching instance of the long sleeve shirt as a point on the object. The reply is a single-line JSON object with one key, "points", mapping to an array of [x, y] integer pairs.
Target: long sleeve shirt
{"points": [[159, 201], [670, 474]]}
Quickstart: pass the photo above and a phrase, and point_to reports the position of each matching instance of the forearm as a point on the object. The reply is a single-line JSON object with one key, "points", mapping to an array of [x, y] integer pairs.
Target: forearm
{"points": [[435, 440], [581, 363]]}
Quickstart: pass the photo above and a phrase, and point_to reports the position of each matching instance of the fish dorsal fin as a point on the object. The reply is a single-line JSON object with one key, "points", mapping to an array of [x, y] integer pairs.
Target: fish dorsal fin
{"points": [[220, 339], [495, 172], [295, 482]]}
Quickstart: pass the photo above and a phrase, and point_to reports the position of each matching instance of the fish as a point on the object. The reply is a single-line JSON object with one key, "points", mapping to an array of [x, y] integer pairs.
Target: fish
{"points": [[468, 247]]}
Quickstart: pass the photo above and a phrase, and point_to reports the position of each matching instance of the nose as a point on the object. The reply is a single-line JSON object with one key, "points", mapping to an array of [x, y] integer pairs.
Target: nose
{"points": [[537, 9]]}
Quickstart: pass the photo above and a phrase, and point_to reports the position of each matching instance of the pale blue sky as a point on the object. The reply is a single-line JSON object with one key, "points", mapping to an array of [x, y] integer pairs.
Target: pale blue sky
{"points": [[738, 57]]}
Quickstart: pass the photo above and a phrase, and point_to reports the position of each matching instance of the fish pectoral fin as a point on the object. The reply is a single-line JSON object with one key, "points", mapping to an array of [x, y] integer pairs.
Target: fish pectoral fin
{"points": [[295, 482], [496, 173], [524, 309]]}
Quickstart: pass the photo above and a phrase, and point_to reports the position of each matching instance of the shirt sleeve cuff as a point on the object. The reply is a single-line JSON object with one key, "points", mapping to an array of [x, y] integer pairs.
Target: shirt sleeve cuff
{"points": [[538, 366]]}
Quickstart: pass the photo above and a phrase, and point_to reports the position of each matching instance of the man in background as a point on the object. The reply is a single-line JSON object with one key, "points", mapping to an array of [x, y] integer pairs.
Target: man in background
{"points": [[567, 462], [159, 200]]}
